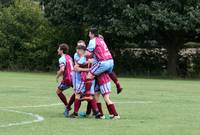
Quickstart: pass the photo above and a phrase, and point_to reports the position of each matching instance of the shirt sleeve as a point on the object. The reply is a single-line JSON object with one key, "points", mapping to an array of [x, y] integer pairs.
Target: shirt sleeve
{"points": [[62, 62], [94, 59], [76, 57], [82, 61], [91, 46]]}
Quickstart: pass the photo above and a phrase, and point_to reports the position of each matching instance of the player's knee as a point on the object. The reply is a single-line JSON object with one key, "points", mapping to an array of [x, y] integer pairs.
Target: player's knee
{"points": [[58, 91], [77, 96], [109, 102], [107, 99], [96, 96]]}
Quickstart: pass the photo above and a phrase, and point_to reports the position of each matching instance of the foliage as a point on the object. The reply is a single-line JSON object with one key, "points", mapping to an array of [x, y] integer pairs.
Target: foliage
{"points": [[27, 39], [29, 36], [127, 23]]}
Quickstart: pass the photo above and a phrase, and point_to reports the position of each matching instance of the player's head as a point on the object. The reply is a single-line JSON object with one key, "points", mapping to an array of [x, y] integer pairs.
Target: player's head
{"points": [[81, 43], [80, 49], [93, 32], [63, 49]]}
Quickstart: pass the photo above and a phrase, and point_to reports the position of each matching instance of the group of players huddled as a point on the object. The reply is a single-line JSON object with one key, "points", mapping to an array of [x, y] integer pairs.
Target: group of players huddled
{"points": [[89, 74]]}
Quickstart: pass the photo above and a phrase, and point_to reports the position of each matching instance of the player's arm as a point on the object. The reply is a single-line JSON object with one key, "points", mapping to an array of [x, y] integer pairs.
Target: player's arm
{"points": [[90, 48], [60, 72], [82, 69], [82, 61], [88, 54], [79, 69]]}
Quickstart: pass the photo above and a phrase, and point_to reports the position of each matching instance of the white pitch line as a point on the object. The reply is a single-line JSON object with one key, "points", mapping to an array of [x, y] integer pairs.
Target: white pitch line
{"points": [[32, 106], [57, 104], [133, 102], [37, 117]]}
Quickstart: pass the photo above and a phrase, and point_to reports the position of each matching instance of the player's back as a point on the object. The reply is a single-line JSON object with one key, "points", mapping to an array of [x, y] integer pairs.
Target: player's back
{"points": [[67, 76], [103, 78], [101, 50]]}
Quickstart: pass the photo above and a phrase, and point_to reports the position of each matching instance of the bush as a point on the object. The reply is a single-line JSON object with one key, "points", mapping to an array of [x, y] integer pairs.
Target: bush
{"points": [[28, 41], [141, 62], [196, 64], [153, 62]]}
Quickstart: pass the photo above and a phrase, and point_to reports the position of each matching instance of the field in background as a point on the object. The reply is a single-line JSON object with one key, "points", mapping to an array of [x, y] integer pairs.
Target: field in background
{"points": [[29, 106]]}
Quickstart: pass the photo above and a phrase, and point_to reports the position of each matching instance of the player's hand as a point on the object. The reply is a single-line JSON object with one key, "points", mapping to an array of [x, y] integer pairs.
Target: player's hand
{"points": [[76, 68], [57, 79], [90, 61]]}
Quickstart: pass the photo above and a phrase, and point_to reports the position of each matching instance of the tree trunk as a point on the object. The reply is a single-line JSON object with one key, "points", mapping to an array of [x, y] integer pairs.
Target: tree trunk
{"points": [[172, 60]]}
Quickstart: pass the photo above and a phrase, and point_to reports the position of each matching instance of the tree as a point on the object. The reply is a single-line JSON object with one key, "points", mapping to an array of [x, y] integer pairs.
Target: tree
{"points": [[127, 23], [27, 39], [170, 23], [6, 2]]}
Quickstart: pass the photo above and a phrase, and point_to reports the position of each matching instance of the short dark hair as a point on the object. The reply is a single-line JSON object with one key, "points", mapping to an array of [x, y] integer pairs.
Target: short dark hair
{"points": [[81, 47], [81, 42], [64, 47], [94, 31]]}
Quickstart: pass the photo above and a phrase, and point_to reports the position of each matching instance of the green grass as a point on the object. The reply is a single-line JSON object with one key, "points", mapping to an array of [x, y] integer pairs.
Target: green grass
{"points": [[156, 107]]}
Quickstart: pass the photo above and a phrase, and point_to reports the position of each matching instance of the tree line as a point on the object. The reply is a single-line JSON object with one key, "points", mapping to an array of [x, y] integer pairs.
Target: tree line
{"points": [[30, 34]]}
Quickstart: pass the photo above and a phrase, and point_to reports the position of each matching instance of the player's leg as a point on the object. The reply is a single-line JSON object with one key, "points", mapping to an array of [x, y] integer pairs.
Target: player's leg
{"points": [[113, 76], [88, 83], [62, 97], [97, 95], [76, 82], [111, 107], [93, 101], [89, 107], [94, 70], [92, 105], [71, 101], [109, 111], [78, 86], [95, 108], [88, 99], [77, 104], [105, 90], [88, 95], [93, 90]]}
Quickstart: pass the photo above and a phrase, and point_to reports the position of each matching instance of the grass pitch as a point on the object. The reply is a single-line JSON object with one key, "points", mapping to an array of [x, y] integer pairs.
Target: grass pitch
{"points": [[146, 107]]}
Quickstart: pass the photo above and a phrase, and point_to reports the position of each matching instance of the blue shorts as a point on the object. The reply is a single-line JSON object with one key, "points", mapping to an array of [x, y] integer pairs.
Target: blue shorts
{"points": [[79, 85], [63, 86], [102, 66], [104, 88], [91, 89]]}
